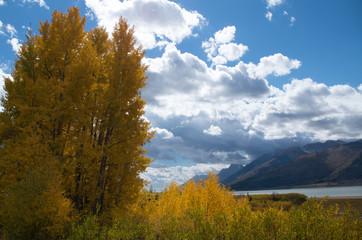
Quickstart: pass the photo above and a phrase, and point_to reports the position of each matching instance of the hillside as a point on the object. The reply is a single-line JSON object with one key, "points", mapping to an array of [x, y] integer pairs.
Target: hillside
{"points": [[330, 163]]}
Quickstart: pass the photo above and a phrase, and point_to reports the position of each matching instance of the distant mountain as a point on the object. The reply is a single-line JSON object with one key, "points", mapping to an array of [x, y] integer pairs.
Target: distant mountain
{"points": [[198, 178], [318, 146], [230, 171], [261, 164], [330, 163], [224, 173]]}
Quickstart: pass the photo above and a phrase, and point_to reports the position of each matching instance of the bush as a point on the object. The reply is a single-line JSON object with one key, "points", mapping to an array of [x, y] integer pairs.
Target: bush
{"points": [[295, 198], [209, 211]]}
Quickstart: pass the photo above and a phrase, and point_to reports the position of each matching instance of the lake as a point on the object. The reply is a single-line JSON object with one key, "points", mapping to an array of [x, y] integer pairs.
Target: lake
{"points": [[352, 191]]}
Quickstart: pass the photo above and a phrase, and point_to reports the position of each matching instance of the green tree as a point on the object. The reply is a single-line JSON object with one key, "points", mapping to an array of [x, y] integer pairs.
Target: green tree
{"points": [[78, 94]]}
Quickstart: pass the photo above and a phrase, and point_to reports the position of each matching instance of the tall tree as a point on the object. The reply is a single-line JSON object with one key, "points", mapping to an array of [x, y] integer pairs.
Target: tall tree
{"points": [[33, 205], [79, 92]]}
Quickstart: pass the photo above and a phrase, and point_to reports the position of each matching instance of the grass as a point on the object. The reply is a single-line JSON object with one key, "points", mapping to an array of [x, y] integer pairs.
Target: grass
{"points": [[354, 203], [278, 201], [286, 201], [345, 203]]}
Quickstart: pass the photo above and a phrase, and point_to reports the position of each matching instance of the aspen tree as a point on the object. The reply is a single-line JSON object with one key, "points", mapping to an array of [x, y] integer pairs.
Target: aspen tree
{"points": [[79, 93]]}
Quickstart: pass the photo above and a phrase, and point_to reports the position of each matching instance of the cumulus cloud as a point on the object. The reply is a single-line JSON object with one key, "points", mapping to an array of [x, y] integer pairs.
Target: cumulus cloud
{"points": [[160, 177], [157, 22], [232, 51], [13, 41], [192, 100], [213, 130], [276, 64], [175, 76], [220, 49], [15, 44], [164, 133], [305, 106], [225, 35], [180, 84], [269, 16], [273, 3], [41, 3], [2, 2]]}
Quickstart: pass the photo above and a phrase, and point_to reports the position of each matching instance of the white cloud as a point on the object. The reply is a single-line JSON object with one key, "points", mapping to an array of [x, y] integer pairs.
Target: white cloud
{"points": [[13, 41], [273, 3], [2, 2], [157, 22], [307, 107], [292, 21], [213, 130], [41, 3], [89, 14], [164, 133], [232, 51], [220, 50], [1, 26], [285, 13], [276, 64], [3, 75], [237, 104], [269, 16], [225, 35], [160, 177], [180, 84], [11, 30], [187, 96], [218, 60], [15, 44]]}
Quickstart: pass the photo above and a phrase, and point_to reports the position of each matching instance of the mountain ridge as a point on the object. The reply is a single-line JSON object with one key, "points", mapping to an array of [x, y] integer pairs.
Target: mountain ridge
{"points": [[330, 163]]}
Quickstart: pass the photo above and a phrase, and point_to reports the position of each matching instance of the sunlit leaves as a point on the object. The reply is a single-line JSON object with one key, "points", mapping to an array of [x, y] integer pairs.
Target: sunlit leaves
{"points": [[207, 210], [76, 100]]}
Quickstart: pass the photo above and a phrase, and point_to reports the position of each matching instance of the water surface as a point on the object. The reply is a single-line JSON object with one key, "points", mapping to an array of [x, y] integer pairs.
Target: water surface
{"points": [[351, 191]]}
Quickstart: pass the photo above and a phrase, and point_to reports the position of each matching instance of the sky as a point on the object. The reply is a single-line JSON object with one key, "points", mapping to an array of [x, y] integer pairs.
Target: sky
{"points": [[228, 80]]}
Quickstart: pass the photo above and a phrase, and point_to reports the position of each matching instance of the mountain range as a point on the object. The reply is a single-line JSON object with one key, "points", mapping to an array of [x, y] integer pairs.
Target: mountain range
{"points": [[332, 163]]}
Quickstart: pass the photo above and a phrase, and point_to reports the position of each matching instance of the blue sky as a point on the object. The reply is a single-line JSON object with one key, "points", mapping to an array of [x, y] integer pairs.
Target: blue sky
{"points": [[228, 80]]}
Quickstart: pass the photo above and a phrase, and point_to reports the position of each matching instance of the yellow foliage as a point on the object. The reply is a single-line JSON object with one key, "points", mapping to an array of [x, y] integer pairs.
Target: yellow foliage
{"points": [[32, 204], [75, 96], [204, 201], [207, 210]]}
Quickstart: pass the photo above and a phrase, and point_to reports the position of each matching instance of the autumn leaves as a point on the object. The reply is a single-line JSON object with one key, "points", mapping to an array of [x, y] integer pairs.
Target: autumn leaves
{"points": [[72, 131]]}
